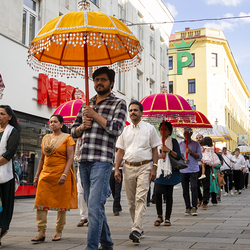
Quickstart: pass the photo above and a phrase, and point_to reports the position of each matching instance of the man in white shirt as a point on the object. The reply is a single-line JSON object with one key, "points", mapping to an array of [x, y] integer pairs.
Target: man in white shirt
{"points": [[226, 168], [238, 167], [137, 145], [246, 171]]}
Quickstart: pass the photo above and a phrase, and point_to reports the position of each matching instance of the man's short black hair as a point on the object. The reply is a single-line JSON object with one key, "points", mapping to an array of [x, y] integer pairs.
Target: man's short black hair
{"points": [[137, 103], [105, 70]]}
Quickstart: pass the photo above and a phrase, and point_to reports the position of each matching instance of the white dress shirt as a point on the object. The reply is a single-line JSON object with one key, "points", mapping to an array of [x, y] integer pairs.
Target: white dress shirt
{"points": [[138, 141], [239, 162], [227, 158]]}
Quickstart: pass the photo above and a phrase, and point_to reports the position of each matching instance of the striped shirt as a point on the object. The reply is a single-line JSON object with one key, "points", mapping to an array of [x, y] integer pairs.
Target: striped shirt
{"points": [[98, 144]]}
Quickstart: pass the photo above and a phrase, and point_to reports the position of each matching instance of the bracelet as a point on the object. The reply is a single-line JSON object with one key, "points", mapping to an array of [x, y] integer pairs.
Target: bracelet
{"points": [[155, 165], [64, 175], [35, 178]]}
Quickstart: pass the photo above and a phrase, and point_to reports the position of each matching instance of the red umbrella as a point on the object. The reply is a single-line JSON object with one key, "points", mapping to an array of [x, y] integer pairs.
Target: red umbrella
{"points": [[170, 107], [69, 110]]}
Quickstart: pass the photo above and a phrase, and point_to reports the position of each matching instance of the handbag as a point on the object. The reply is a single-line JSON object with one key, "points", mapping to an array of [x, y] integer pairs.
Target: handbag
{"points": [[177, 164], [220, 178]]}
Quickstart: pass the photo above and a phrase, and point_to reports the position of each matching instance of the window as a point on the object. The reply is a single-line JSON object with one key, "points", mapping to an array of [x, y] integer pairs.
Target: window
{"points": [[138, 81], [162, 51], [170, 62], [171, 87], [193, 107], [151, 44], [96, 2], [192, 64], [120, 12], [139, 27], [29, 21], [214, 60], [191, 86], [121, 82], [151, 87]]}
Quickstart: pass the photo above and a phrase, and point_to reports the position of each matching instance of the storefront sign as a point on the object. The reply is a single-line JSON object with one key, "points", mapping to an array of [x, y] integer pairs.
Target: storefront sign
{"points": [[53, 93]]}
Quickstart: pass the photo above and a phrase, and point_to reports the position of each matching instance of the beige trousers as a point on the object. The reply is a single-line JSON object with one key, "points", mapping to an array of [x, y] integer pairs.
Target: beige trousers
{"points": [[136, 185], [41, 220]]}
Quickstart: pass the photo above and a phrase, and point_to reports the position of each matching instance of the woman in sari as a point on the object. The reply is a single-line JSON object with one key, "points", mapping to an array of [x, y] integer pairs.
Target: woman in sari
{"points": [[54, 179], [9, 139]]}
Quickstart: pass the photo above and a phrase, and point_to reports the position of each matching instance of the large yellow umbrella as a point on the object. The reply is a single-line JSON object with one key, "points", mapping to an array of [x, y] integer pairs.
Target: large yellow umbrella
{"points": [[69, 44]]}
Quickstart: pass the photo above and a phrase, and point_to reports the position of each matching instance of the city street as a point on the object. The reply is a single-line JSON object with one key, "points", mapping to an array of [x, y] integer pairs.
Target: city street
{"points": [[225, 226]]}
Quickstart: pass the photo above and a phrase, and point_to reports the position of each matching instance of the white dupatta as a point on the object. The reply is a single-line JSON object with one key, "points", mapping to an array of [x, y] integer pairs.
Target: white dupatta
{"points": [[164, 166], [6, 170]]}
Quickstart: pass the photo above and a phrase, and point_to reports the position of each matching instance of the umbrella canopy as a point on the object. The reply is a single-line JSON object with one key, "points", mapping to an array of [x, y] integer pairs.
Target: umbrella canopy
{"points": [[69, 110], [223, 131], [201, 122], [244, 149], [215, 135], [170, 107], [70, 44]]}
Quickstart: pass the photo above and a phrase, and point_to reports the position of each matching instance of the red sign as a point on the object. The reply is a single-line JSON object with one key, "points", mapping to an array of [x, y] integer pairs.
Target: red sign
{"points": [[53, 93]]}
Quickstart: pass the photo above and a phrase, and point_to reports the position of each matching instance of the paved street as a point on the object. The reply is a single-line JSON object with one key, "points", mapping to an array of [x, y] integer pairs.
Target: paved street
{"points": [[225, 226]]}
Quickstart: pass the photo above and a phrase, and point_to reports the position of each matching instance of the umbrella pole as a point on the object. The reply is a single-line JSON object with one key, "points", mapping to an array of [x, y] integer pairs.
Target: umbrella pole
{"points": [[163, 133], [186, 145], [86, 72]]}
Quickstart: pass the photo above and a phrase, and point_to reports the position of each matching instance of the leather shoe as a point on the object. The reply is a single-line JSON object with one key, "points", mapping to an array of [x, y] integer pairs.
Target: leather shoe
{"points": [[105, 248], [204, 206], [199, 203]]}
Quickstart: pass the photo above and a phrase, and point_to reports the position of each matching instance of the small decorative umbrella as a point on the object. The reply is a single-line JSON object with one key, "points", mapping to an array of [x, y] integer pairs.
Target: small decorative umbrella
{"points": [[244, 149], [70, 44], [223, 131], [215, 135], [69, 110]]}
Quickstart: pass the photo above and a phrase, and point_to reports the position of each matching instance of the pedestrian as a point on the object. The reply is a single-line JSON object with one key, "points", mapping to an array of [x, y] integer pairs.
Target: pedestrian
{"points": [[214, 185], [99, 125], [137, 145], [227, 170], [238, 167], [82, 205], [208, 157], [116, 188], [55, 179], [189, 175], [246, 174], [9, 139], [166, 177]]}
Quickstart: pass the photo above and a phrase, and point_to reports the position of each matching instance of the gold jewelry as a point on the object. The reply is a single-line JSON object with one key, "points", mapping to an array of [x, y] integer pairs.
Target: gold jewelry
{"points": [[35, 178], [64, 175], [155, 165]]}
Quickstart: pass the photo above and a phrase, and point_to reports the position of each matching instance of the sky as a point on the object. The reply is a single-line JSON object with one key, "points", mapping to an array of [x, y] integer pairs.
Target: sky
{"points": [[236, 31]]}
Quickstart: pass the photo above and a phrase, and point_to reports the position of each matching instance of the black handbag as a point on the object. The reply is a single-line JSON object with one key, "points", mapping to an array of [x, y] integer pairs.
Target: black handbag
{"points": [[177, 164]]}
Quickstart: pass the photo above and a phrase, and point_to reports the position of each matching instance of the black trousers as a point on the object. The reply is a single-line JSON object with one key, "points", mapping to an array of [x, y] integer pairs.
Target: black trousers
{"points": [[238, 179], [206, 186], [185, 180], [214, 198], [116, 188], [7, 193], [168, 191], [228, 177], [246, 179]]}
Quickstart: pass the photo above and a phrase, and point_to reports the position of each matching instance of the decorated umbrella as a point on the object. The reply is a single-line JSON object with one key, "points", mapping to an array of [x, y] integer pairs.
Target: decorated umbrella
{"points": [[244, 149], [69, 110], [170, 107], [70, 44], [215, 135], [223, 131]]}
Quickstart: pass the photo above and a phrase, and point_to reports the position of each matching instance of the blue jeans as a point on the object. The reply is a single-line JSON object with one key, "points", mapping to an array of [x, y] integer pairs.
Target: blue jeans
{"points": [[95, 182]]}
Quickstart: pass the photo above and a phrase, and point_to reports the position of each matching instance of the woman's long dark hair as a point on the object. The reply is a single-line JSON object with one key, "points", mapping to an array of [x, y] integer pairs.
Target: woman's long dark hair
{"points": [[64, 128], [13, 121]]}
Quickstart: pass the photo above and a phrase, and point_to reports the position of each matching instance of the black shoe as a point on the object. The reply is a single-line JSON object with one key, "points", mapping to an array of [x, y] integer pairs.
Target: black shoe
{"points": [[105, 248], [152, 201], [116, 213], [135, 236], [148, 204]]}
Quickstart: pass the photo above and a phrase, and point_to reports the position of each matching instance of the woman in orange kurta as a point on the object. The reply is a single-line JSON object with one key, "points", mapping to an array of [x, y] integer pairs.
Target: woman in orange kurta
{"points": [[54, 179]]}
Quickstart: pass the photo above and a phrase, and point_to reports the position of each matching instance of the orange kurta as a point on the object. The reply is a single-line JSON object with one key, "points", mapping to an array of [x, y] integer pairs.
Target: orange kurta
{"points": [[50, 195]]}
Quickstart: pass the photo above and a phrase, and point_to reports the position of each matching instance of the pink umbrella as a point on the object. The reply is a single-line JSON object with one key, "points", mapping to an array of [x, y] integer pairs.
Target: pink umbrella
{"points": [[69, 110]]}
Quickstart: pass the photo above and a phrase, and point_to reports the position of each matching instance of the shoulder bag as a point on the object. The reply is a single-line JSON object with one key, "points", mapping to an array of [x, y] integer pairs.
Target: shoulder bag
{"points": [[220, 178], [177, 164]]}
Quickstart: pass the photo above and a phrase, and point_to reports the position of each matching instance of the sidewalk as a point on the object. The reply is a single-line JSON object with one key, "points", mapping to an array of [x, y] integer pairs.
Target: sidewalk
{"points": [[225, 226]]}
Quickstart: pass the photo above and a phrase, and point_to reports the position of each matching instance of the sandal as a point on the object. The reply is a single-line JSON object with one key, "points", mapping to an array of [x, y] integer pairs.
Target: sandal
{"points": [[57, 237], [82, 222], [38, 238], [158, 221], [167, 223]]}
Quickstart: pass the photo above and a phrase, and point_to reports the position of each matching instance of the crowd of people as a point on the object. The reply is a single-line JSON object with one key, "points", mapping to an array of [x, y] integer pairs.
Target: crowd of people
{"points": [[108, 153]]}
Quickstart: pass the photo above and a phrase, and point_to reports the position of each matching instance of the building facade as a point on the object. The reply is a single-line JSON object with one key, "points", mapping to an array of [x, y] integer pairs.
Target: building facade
{"points": [[20, 21], [212, 81]]}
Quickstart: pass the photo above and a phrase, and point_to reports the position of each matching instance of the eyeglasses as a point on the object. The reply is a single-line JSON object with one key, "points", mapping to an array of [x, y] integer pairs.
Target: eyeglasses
{"points": [[100, 79]]}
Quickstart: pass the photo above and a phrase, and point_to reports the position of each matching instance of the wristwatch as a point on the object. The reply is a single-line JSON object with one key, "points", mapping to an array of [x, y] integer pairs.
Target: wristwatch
{"points": [[170, 151], [191, 152]]}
